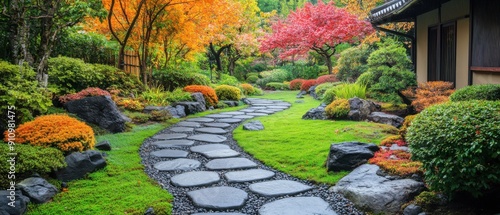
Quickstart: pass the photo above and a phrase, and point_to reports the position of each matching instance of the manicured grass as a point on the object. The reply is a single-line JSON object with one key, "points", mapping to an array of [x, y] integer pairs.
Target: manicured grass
{"points": [[300, 147], [120, 188]]}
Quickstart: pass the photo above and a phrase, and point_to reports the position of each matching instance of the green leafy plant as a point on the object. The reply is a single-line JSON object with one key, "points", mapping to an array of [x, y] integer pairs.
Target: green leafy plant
{"points": [[252, 79], [160, 115], [155, 95], [322, 88], [277, 86], [338, 109], [459, 145], [226, 92], [228, 80], [178, 95], [477, 92], [347, 91], [352, 63]]}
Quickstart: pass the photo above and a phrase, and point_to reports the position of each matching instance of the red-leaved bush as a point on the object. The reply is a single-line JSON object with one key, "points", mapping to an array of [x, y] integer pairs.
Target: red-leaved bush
{"points": [[429, 93], [326, 78], [308, 84], [208, 93], [296, 84], [89, 92], [396, 162]]}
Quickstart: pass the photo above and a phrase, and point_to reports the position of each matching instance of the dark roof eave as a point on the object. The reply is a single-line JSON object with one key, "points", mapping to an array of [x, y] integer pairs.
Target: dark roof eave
{"points": [[391, 12]]}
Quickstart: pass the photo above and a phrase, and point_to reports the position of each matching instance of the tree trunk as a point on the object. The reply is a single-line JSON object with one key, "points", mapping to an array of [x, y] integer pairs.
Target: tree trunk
{"points": [[328, 61]]}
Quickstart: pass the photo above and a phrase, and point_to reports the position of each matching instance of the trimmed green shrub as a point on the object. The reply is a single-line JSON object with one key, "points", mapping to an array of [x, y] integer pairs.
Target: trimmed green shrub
{"points": [[252, 79], [178, 95], [228, 80], [365, 79], [477, 92], [179, 78], [329, 95], [459, 145], [276, 86], [160, 115], [352, 63], [338, 109], [29, 160], [304, 70], [322, 88], [247, 89], [226, 92], [258, 92], [199, 79], [275, 75]]}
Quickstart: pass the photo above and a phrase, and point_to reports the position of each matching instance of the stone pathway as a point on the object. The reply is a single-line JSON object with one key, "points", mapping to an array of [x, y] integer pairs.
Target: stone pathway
{"points": [[199, 162]]}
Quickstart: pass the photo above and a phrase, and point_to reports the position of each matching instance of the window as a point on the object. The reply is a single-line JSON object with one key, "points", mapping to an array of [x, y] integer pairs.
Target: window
{"points": [[442, 53]]}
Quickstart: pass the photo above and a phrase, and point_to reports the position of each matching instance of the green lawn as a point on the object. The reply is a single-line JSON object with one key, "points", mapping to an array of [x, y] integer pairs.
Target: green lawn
{"points": [[300, 147]]}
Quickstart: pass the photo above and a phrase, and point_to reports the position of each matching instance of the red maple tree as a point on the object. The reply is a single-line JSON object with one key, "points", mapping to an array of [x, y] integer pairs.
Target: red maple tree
{"points": [[319, 28]]}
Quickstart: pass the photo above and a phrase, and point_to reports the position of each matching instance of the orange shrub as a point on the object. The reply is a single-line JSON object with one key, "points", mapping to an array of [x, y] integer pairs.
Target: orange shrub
{"points": [[388, 141], [326, 78], [208, 93], [396, 162], [308, 84], [296, 84], [59, 131], [91, 91], [131, 104], [430, 93]]}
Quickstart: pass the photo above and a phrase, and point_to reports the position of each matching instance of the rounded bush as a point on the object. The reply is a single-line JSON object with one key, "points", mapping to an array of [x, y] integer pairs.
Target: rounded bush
{"points": [[459, 145], [131, 104], [248, 89], [338, 109], [325, 79], [226, 92], [296, 84], [308, 84], [322, 88], [59, 131], [89, 92], [252, 79], [406, 124], [477, 92], [208, 93], [277, 86], [329, 95], [228, 80]]}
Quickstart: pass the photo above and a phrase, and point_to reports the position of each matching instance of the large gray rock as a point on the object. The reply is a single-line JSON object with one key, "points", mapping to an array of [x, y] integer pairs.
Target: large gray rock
{"points": [[219, 198], [254, 125], [191, 107], [312, 92], [178, 111], [99, 110], [297, 206], [349, 155], [198, 97], [79, 164], [37, 189], [103, 145], [301, 94], [169, 153], [388, 119], [13, 202], [316, 113], [278, 188], [360, 109], [412, 210], [246, 101], [231, 103], [375, 193]]}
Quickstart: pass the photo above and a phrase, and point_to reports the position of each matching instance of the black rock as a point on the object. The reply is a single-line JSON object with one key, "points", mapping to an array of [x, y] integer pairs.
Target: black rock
{"points": [[149, 211], [388, 119], [349, 155], [191, 107], [103, 145], [178, 111], [79, 164], [246, 101], [15, 204], [198, 97], [99, 110], [360, 109], [149, 109], [312, 92], [301, 94], [412, 210], [37, 189], [254, 125], [316, 113], [231, 103]]}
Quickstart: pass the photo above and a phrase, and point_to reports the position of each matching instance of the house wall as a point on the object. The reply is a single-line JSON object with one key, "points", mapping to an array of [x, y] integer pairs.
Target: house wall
{"points": [[452, 10]]}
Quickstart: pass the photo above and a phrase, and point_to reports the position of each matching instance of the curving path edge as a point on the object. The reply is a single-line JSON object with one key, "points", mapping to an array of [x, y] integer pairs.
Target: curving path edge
{"points": [[202, 166]]}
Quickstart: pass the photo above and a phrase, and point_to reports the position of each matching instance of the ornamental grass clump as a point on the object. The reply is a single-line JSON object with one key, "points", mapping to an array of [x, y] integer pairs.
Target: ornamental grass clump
{"points": [[208, 93], [459, 145], [348, 91], [226, 92], [59, 131]]}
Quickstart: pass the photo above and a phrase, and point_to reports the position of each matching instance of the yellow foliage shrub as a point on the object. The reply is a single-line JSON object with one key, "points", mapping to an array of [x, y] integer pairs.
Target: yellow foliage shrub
{"points": [[226, 92], [248, 89], [338, 109], [59, 131]]}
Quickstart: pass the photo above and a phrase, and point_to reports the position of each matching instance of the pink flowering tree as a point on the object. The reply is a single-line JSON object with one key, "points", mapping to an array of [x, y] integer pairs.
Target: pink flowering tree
{"points": [[319, 28]]}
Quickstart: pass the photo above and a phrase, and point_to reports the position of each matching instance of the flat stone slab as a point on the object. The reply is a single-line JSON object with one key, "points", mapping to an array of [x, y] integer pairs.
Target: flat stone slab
{"points": [[219, 198], [211, 130], [249, 175], [170, 136], [217, 125], [193, 179], [200, 119], [172, 143], [275, 110], [177, 164], [264, 111], [297, 206], [230, 163], [257, 108], [234, 113], [277, 107], [169, 153], [208, 147], [220, 153], [261, 104], [211, 138], [181, 129], [243, 117], [257, 114], [189, 124], [219, 115], [278, 188], [230, 120], [247, 110], [218, 214]]}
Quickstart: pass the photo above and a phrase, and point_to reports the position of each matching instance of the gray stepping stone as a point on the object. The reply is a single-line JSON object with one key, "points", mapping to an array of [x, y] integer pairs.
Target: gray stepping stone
{"points": [[257, 114], [177, 164], [193, 179], [275, 110], [297, 206], [230, 163], [170, 136], [262, 104], [168, 153], [219, 198], [189, 124], [200, 119], [243, 117], [211, 138], [234, 113], [220, 153], [230, 120], [217, 125], [283, 104], [247, 110], [277, 107], [278, 188], [248, 175], [257, 108], [181, 129], [264, 111], [173, 143], [218, 214], [219, 116], [211, 130], [208, 147]]}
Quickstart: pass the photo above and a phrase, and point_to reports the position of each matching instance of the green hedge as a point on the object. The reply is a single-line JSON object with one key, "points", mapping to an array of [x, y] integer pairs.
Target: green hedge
{"points": [[477, 92]]}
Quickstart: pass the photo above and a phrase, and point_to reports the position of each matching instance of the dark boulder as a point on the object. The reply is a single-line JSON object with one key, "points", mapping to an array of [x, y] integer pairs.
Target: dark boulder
{"points": [[13, 202], [316, 113], [301, 94], [349, 155], [231, 103], [191, 107], [360, 109], [37, 189], [103, 146], [79, 164], [178, 111], [254, 125], [99, 110], [388, 119], [312, 92], [246, 101], [412, 210], [198, 97]]}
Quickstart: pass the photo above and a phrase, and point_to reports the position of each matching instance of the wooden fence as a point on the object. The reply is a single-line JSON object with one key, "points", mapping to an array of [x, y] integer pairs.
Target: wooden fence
{"points": [[131, 63]]}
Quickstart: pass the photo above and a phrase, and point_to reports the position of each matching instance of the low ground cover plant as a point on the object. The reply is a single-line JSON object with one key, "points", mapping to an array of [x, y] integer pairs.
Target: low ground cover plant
{"points": [[88, 92], [338, 109], [396, 162]]}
